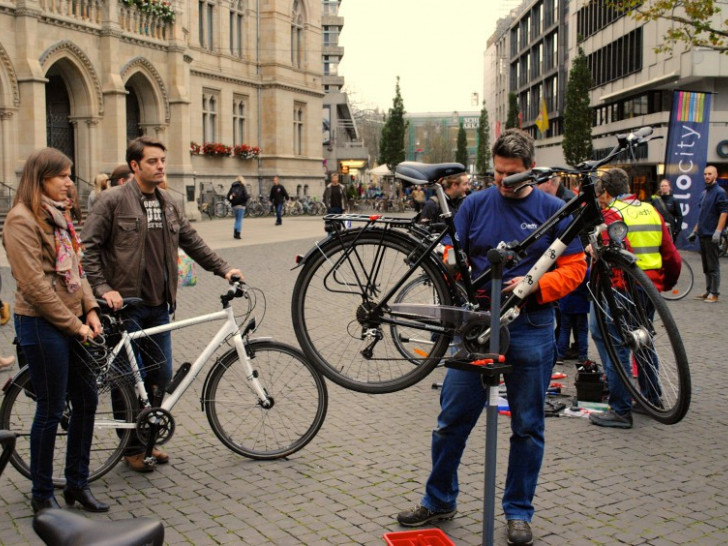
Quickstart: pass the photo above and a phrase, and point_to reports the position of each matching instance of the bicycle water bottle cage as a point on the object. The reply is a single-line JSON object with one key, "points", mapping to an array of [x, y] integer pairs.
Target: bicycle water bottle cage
{"points": [[424, 173]]}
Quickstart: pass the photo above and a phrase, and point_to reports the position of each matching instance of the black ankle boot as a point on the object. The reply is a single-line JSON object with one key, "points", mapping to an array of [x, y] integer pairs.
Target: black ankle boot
{"points": [[236, 235], [40, 504], [85, 498]]}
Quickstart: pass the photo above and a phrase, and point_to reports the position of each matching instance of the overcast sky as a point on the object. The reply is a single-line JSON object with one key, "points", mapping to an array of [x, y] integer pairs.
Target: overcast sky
{"points": [[435, 47]]}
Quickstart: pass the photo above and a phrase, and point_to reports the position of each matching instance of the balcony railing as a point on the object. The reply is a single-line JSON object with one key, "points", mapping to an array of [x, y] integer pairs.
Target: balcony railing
{"points": [[147, 24], [88, 11]]}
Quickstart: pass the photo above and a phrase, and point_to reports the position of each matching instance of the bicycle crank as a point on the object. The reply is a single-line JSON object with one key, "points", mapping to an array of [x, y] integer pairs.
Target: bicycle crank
{"points": [[156, 423]]}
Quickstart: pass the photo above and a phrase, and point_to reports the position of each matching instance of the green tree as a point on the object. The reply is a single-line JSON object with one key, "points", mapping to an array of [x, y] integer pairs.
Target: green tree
{"points": [[512, 120], [391, 150], [577, 141], [461, 153], [437, 143], [697, 23], [482, 156]]}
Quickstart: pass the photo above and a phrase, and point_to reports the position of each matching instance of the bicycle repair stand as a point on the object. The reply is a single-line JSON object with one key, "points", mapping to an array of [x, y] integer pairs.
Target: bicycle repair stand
{"points": [[490, 366]]}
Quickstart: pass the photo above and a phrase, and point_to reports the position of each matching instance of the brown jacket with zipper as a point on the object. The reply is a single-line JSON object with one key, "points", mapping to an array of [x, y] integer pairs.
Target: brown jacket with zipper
{"points": [[31, 250], [114, 235]]}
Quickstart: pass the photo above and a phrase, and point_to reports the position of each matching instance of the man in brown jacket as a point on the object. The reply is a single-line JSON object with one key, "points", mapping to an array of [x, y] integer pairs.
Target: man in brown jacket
{"points": [[131, 237]]}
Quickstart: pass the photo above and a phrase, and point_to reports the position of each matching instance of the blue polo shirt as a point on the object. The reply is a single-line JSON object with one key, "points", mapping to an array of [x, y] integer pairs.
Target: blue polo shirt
{"points": [[486, 218]]}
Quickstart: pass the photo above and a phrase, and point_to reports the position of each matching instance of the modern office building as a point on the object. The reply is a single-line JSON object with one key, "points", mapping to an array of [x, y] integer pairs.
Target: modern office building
{"points": [[86, 76], [632, 85], [343, 149]]}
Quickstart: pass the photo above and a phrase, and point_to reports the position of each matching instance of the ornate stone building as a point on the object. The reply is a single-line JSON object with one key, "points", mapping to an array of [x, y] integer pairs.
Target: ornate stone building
{"points": [[86, 76]]}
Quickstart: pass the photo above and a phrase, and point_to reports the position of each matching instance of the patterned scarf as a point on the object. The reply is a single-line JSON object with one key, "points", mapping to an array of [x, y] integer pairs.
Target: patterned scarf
{"points": [[68, 244]]}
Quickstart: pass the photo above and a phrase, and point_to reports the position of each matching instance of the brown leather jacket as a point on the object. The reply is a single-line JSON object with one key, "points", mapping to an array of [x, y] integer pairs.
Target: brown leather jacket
{"points": [[31, 251], [114, 236]]}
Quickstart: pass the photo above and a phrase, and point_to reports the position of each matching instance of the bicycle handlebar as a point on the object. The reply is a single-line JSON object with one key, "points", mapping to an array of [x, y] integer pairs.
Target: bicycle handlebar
{"points": [[538, 175]]}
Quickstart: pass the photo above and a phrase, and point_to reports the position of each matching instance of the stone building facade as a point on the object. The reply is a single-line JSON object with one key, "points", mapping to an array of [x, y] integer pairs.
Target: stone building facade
{"points": [[88, 75]]}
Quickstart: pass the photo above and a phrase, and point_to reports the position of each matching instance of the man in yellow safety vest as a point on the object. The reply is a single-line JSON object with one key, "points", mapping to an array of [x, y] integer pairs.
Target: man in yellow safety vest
{"points": [[650, 240]]}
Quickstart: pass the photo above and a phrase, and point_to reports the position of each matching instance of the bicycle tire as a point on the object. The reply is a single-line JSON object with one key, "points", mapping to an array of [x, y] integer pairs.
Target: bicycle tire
{"points": [[655, 349], [240, 422], [331, 295], [221, 209], [17, 413], [684, 284]]}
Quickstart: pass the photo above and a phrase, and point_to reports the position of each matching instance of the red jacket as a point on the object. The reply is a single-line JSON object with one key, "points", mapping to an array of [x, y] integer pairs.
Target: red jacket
{"points": [[665, 277]]}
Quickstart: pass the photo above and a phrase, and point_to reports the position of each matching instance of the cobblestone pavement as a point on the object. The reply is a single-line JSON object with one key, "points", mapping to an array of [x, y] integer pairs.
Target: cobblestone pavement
{"points": [[653, 484]]}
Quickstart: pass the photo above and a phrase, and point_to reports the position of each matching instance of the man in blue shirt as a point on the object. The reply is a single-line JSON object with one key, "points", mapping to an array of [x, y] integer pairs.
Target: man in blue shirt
{"points": [[711, 221], [484, 220]]}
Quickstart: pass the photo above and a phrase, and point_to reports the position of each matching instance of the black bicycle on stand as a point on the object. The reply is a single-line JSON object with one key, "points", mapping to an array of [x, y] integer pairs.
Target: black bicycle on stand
{"points": [[375, 309]]}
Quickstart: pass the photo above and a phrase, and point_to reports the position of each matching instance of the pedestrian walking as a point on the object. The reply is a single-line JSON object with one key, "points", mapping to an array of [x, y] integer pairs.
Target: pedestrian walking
{"points": [[278, 196], [101, 183], [238, 198]]}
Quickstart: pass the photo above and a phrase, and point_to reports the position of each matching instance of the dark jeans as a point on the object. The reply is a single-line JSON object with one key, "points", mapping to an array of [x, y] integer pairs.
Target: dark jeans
{"points": [[153, 354], [579, 324], [532, 352], [711, 266], [279, 213], [57, 370]]}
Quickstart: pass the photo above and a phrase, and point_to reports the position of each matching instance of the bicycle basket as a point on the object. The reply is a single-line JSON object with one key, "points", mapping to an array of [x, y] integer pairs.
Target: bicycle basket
{"points": [[105, 372]]}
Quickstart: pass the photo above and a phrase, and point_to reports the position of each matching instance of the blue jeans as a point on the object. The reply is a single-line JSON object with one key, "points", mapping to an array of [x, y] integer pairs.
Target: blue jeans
{"points": [[279, 213], [156, 349], [57, 370], [579, 324], [239, 215], [531, 352]]}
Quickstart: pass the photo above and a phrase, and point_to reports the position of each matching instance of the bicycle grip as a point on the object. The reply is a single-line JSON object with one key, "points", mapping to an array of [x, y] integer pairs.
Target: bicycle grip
{"points": [[516, 179]]}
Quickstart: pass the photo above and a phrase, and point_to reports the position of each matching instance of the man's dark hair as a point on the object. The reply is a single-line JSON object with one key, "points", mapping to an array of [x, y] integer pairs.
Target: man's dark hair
{"points": [[122, 171], [615, 182], [515, 144], [135, 150]]}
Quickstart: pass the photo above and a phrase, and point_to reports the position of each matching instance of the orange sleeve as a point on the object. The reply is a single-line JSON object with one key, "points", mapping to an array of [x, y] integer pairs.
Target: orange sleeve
{"points": [[565, 278]]}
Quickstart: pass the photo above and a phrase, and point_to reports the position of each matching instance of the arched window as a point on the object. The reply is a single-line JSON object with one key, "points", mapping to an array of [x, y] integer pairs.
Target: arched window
{"points": [[239, 119], [296, 34], [298, 117], [237, 10]]}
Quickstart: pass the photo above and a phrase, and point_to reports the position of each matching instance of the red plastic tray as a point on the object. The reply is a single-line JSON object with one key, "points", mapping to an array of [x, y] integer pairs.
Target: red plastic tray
{"points": [[421, 537]]}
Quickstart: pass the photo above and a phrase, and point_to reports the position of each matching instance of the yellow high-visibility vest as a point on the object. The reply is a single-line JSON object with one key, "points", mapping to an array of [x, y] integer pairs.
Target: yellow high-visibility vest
{"points": [[645, 231]]}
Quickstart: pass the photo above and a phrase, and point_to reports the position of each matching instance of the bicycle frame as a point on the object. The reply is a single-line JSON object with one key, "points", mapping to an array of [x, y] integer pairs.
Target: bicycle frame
{"points": [[228, 330], [586, 215]]}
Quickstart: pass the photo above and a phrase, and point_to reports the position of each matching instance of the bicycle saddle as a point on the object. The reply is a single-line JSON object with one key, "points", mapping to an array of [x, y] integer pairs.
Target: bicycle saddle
{"points": [[423, 173], [64, 528]]}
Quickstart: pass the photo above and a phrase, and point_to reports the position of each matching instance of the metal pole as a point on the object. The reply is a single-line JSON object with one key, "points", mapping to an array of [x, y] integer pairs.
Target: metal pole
{"points": [[491, 382]]}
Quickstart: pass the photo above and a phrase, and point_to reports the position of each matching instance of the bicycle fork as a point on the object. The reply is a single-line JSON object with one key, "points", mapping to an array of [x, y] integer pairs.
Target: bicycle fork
{"points": [[251, 374]]}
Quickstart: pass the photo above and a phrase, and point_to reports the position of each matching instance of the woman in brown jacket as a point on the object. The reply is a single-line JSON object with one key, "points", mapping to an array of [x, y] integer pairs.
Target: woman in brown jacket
{"points": [[54, 310]]}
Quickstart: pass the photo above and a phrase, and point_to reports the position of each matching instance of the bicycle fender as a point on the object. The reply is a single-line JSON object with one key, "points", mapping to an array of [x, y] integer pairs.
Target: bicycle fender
{"points": [[622, 253]]}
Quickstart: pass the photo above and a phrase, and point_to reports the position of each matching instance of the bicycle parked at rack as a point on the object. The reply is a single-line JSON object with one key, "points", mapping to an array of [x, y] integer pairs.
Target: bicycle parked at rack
{"points": [[263, 400], [361, 319]]}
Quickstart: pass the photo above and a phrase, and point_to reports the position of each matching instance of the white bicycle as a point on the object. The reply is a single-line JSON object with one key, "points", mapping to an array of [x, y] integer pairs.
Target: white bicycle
{"points": [[262, 398]]}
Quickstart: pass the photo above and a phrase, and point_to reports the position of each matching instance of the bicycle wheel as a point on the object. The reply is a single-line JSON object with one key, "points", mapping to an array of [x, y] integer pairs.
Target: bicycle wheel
{"points": [[336, 288], [17, 413], [300, 401], [684, 284], [635, 321], [221, 209]]}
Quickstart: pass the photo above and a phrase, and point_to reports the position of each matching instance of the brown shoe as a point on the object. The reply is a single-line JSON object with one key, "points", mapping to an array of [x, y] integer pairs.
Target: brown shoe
{"points": [[137, 464], [702, 296], [712, 298], [161, 456]]}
